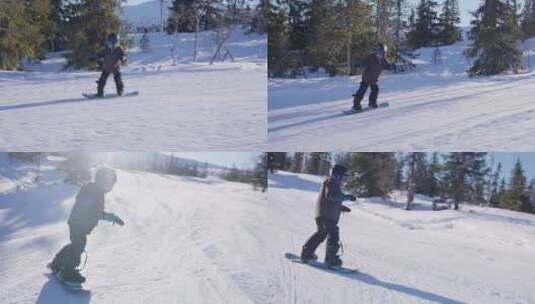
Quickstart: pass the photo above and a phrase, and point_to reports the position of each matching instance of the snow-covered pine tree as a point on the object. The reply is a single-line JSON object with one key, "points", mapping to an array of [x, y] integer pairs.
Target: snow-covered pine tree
{"points": [[495, 34]]}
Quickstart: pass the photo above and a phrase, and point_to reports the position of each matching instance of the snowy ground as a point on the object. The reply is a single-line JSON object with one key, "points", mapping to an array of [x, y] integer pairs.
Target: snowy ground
{"points": [[477, 255], [434, 107], [186, 240], [190, 106]]}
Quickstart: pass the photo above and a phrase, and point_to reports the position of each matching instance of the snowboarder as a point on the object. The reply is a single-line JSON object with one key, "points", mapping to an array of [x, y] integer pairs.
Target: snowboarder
{"points": [[112, 57], [375, 64], [328, 209], [88, 209]]}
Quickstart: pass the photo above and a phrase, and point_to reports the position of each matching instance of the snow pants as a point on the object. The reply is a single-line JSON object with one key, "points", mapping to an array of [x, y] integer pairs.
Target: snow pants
{"points": [[104, 78], [327, 229], [68, 258], [362, 91]]}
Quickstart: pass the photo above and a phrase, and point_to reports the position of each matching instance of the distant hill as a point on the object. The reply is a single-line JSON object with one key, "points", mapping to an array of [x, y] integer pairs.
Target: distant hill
{"points": [[145, 14]]}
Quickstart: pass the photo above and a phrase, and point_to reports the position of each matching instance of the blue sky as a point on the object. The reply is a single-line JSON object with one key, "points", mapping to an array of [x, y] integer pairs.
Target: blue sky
{"points": [[508, 161], [243, 160]]}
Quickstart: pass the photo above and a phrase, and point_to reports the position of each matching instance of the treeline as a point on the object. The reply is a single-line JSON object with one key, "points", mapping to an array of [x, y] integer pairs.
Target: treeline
{"points": [[199, 15], [257, 176], [467, 177], [337, 35], [78, 165]]}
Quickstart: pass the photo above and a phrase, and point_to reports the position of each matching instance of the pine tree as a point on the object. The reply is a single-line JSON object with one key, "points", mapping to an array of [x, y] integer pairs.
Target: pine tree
{"points": [[495, 36], [260, 21], [88, 29], [494, 186], [516, 195], [319, 163], [260, 173], [425, 25], [464, 176], [449, 22], [299, 162], [528, 18], [373, 173], [434, 171], [23, 25]]}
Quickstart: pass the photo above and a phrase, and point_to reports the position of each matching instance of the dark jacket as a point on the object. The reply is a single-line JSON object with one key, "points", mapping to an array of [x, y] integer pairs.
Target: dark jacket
{"points": [[329, 204], [112, 58], [374, 68], [88, 208]]}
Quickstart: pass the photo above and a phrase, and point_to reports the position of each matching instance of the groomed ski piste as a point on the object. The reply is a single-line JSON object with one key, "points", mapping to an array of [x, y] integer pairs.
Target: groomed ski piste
{"points": [[185, 240], [189, 106], [433, 107], [475, 255]]}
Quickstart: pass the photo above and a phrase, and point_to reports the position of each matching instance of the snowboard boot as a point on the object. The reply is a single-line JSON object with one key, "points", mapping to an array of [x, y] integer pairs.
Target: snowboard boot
{"points": [[72, 276], [307, 256], [120, 92], [53, 266], [356, 103], [373, 105], [333, 261]]}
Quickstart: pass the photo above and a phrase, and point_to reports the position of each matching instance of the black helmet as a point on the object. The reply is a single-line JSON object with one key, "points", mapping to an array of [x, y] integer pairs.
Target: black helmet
{"points": [[112, 38], [339, 171], [381, 48], [105, 177]]}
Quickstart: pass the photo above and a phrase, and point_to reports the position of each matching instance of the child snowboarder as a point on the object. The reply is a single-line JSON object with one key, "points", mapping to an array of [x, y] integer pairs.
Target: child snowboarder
{"points": [[375, 64], [88, 209], [112, 56], [328, 209]]}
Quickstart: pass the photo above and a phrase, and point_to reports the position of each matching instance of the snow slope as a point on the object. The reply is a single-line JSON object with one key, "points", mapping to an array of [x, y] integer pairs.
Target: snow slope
{"points": [[190, 106], [186, 240], [434, 107], [477, 255]]}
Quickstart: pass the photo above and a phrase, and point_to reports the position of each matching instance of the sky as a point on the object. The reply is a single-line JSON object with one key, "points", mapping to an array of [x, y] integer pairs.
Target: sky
{"points": [[508, 161], [242, 160]]}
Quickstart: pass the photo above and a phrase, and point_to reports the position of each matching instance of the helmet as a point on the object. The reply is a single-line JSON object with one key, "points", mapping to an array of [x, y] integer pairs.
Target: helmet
{"points": [[106, 178], [112, 38], [339, 171], [381, 48]]}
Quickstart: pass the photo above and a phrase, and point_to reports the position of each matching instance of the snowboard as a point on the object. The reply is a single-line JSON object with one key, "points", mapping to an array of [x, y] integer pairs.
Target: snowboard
{"points": [[314, 263], [94, 96], [379, 106], [69, 285]]}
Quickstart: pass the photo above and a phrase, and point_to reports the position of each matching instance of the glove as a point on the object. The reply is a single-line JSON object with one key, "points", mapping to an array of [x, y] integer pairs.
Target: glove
{"points": [[351, 197], [345, 209], [93, 57], [114, 219]]}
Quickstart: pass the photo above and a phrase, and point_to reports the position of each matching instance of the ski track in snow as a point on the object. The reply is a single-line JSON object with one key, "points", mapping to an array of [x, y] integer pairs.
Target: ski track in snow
{"points": [[435, 107], [190, 106], [478, 255], [185, 240]]}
